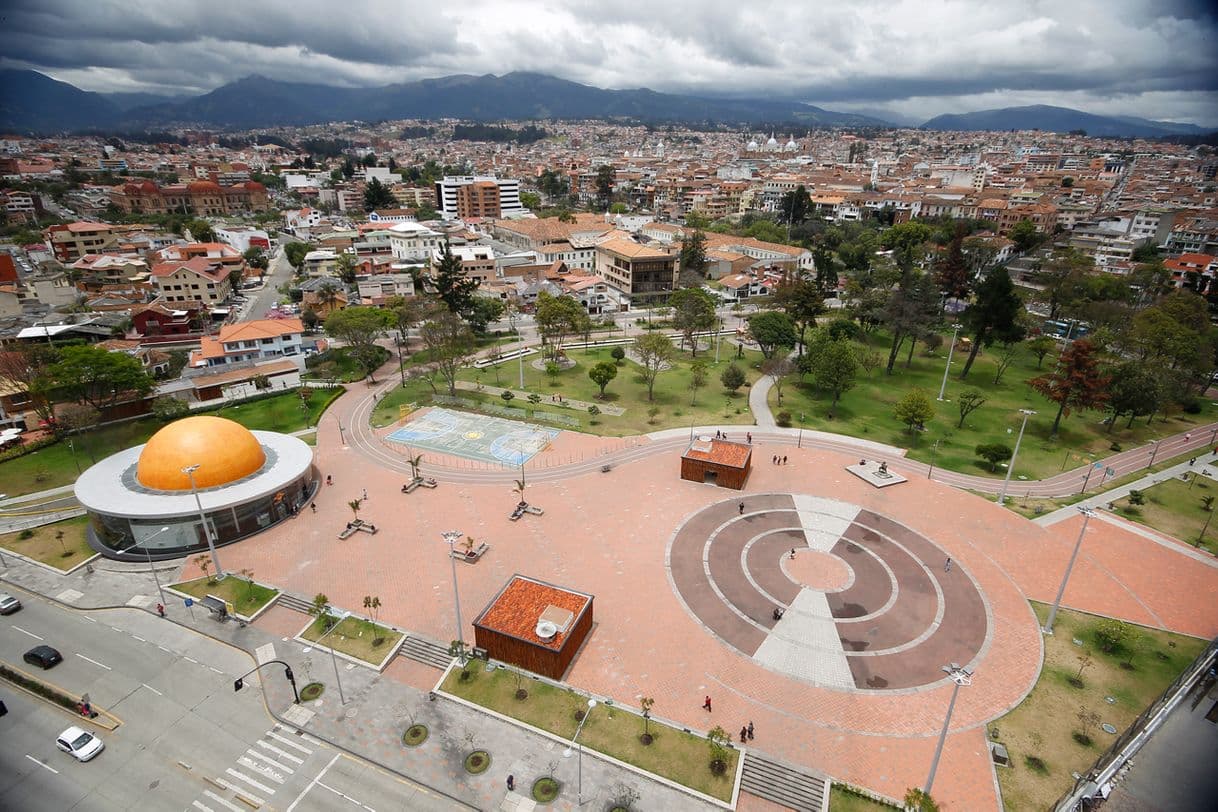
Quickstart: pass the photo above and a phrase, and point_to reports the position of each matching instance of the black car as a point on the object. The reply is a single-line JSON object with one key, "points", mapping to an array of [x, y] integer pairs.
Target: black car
{"points": [[43, 656]]}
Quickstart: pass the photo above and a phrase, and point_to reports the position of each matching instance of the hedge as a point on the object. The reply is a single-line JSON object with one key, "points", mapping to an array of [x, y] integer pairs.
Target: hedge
{"points": [[40, 688]]}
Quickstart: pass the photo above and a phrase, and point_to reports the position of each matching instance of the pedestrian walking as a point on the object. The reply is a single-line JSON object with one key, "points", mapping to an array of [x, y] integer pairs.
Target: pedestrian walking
{"points": [[749, 436], [774, 460], [511, 782], [1191, 461], [314, 506], [947, 565], [784, 459], [160, 609], [365, 496], [750, 730], [329, 480], [792, 553], [744, 734], [1188, 437], [706, 704], [741, 508]]}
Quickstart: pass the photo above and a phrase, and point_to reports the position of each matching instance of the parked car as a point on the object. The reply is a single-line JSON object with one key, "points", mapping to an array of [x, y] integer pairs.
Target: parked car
{"points": [[8, 604], [79, 744], [43, 656]]}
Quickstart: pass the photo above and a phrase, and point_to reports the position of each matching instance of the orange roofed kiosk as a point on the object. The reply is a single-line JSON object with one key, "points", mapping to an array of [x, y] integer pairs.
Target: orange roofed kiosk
{"points": [[719, 462], [534, 625]]}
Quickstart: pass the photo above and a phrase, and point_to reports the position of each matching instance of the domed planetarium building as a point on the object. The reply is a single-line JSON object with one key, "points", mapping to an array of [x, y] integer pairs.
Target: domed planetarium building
{"points": [[242, 481]]}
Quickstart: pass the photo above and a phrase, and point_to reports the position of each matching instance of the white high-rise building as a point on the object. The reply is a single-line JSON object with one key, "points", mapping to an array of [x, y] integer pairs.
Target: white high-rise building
{"points": [[484, 196]]}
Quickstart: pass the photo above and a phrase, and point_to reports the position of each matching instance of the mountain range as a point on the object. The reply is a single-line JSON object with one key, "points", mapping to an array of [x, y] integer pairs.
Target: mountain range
{"points": [[31, 102]]}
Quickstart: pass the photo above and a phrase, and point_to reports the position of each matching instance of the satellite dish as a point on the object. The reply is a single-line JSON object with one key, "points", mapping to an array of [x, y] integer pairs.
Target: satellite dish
{"points": [[546, 629]]}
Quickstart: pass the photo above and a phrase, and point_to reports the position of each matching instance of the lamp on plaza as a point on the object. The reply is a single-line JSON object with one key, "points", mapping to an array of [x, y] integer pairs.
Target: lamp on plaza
{"points": [[325, 612], [1011, 465], [189, 470], [580, 761], [959, 676], [151, 568], [452, 537], [946, 367], [1153, 450], [342, 435], [1087, 514]]}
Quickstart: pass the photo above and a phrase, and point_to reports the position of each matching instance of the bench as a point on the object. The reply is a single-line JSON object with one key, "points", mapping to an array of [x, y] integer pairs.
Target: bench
{"points": [[354, 527], [519, 511], [536, 511], [470, 556]]}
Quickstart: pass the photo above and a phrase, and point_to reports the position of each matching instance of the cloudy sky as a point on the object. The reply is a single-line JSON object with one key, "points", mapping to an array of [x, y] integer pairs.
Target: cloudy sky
{"points": [[915, 58]]}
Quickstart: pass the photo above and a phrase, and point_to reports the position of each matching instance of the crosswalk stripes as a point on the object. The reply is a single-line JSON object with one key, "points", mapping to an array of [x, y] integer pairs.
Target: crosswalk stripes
{"points": [[263, 769]]}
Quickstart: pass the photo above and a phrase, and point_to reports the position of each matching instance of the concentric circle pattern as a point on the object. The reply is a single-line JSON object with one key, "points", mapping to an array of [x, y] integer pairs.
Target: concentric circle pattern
{"points": [[883, 610]]}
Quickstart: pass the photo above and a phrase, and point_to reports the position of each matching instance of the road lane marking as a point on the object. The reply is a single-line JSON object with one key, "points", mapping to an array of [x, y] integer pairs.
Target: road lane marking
{"points": [[167, 651], [202, 806], [137, 637], [280, 753], [222, 801], [217, 670], [23, 631], [40, 764], [315, 781], [90, 619], [345, 796], [190, 659], [266, 772], [290, 743], [270, 761], [150, 688], [95, 662], [250, 781], [242, 791]]}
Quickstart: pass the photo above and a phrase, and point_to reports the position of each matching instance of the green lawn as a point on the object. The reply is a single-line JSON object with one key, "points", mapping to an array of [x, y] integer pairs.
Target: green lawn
{"points": [[674, 754], [356, 637], [841, 799], [42, 544], [58, 464], [245, 597], [1042, 725], [712, 404], [346, 368], [866, 411], [1176, 508]]}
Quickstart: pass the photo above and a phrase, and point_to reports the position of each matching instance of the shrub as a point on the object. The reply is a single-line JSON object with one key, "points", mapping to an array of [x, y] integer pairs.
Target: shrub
{"points": [[843, 329], [507, 395], [1115, 446], [1036, 765], [993, 453], [1191, 406], [1136, 497], [783, 419], [1111, 634], [617, 354], [25, 534]]}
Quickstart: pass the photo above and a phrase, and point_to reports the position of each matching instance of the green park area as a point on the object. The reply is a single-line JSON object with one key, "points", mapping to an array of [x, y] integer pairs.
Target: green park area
{"points": [[844, 799], [355, 637], [1180, 509], [674, 402], [1096, 671], [867, 411], [61, 545], [340, 364], [245, 596], [60, 463], [672, 753]]}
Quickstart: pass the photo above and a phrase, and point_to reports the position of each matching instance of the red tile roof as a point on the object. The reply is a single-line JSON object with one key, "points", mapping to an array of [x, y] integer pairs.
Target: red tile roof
{"points": [[720, 452], [518, 607]]}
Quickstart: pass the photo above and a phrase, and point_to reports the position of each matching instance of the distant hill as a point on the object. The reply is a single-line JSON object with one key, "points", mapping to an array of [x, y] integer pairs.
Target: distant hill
{"points": [[27, 104], [129, 101], [1059, 120]]}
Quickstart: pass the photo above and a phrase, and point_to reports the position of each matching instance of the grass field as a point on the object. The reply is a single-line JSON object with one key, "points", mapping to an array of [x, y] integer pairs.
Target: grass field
{"points": [[355, 636], [674, 754], [866, 411], [842, 800], [1042, 725], [345, 368], [245, 597], [712, 403], [1176, 508], [42, 544]]}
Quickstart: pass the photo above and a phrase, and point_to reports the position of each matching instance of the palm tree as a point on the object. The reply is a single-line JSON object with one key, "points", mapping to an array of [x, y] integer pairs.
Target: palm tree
{"points": [[519, 488], [327, 295], [354, 504], [414, 465]]}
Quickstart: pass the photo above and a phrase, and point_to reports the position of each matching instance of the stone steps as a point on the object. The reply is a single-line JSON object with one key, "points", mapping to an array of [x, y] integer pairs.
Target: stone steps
{"points": [[294, 603], [783, 784], [425, 651]]}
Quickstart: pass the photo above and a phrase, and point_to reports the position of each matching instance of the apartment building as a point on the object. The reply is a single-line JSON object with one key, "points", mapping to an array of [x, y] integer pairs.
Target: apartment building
{"points": [[478, 261], [202, 197], [478, 196], [250, 341], [199, 279], [71, 241], [643, 272], [413, 241]]}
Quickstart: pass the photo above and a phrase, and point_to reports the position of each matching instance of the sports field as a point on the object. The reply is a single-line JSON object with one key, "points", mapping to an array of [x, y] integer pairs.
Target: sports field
{"points": [[474, 436]]}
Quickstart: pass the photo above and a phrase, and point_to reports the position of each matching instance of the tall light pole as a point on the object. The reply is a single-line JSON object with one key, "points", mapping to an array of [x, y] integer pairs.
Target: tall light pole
{"points": [[342, 434], [1011, 465], [151, 568], [325, 612], [1153, 451], [452, 536], [959, 676], [580, 761], [1087, 514], [189, 470], [947, 367]]}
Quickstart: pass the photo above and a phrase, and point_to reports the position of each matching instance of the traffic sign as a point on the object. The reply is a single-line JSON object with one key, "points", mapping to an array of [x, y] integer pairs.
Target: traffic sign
{"points": [[189, 602]]}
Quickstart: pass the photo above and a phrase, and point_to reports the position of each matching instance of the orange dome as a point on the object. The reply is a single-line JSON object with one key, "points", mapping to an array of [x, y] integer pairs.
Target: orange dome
{"points": [[225, 451]]}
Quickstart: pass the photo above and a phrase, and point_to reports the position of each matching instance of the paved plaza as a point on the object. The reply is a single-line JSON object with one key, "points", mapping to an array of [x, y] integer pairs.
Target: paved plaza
{"points": [[846, 682]]}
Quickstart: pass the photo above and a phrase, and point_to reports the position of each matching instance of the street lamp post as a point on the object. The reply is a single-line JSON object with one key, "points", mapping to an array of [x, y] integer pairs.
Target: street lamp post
{"points": [[580, 761], [151, 568], [1154, 450], [189, 470], [1011, 465], [452, 536], [342, 434], [959, 676], [1087, 514], [333, 659], [948, 365]]}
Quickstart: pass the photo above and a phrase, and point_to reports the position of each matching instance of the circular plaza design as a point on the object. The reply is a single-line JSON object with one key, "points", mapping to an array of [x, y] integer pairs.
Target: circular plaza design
{"points": [[872, 605], [147, 500]]}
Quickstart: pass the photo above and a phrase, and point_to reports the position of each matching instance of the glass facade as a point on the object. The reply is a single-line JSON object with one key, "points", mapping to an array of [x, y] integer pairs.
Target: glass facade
{"points": [[126, 538]]}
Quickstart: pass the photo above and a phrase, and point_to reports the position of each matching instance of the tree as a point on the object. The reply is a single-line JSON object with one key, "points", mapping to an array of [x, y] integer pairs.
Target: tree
{"points": [[771, 330], [1077, 383], [355, 505], [693, 253], [914, 409], [994, 314], [604, 184], [732, 378], [835, 368], [969, 401], [693, 311], [1024, 235], [345, 267], [717, 741], [452, 284], [617, 354], [911, 309], [295, 252], [482, 311], [1136, 389], [204, 565], [1004, 358], [377, 196], [309, 319], [320, 608], [795, 205], [907, 242], [952, 271], [449, 343], [697, 379], [359, 328], [917, 800], [777, 369], [95, 376], [530, 200], [201, 231], [255, 257], [601, 374], [655, 352], [993, 453], [556, 318], [1112, 633], [803, 300], [646, 703], [168, 408], [1040, 346]]}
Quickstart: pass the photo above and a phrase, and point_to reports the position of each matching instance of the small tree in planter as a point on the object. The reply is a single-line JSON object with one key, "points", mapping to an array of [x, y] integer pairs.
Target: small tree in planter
{"points": [[546, 788], [717, 741], [476, 761], [355, 504], [204, 564], [248, 575], [59, 537], [534, 398], [373, 603], [1084, 662], [457, 649], [415, 461], [415, 733], [1088, 719], [522, 693], [624, 797], [507, 396], [646, 703], [321, 609], [918, 801]]}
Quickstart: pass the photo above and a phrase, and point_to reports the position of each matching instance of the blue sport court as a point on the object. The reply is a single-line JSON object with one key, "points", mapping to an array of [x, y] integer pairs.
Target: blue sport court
{"points": [[474, 436]]}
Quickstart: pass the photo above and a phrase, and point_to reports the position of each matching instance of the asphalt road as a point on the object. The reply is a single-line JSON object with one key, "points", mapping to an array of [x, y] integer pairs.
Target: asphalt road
{"points": [[187, 741], [260, 301]]}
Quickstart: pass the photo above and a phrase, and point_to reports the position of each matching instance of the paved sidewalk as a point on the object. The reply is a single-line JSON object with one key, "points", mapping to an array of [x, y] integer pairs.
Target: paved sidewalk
{"points": [[378, 707]]}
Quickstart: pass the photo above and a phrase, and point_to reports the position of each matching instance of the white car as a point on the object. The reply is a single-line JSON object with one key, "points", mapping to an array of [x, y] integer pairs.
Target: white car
{"points": [[80, 744], [8, 604]]}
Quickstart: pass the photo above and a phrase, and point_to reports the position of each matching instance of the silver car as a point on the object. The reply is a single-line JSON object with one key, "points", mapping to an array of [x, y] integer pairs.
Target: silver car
{"points": [[80, 744], [8, 604]]}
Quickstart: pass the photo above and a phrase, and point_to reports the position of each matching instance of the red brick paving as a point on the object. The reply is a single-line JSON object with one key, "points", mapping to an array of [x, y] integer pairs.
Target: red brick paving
{"points": [[606, 534]]}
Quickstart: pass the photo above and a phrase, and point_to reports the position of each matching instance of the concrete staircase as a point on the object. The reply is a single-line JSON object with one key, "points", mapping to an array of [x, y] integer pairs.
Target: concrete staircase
{"points": [[294, 603], [783, 784], [425, 651]]}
